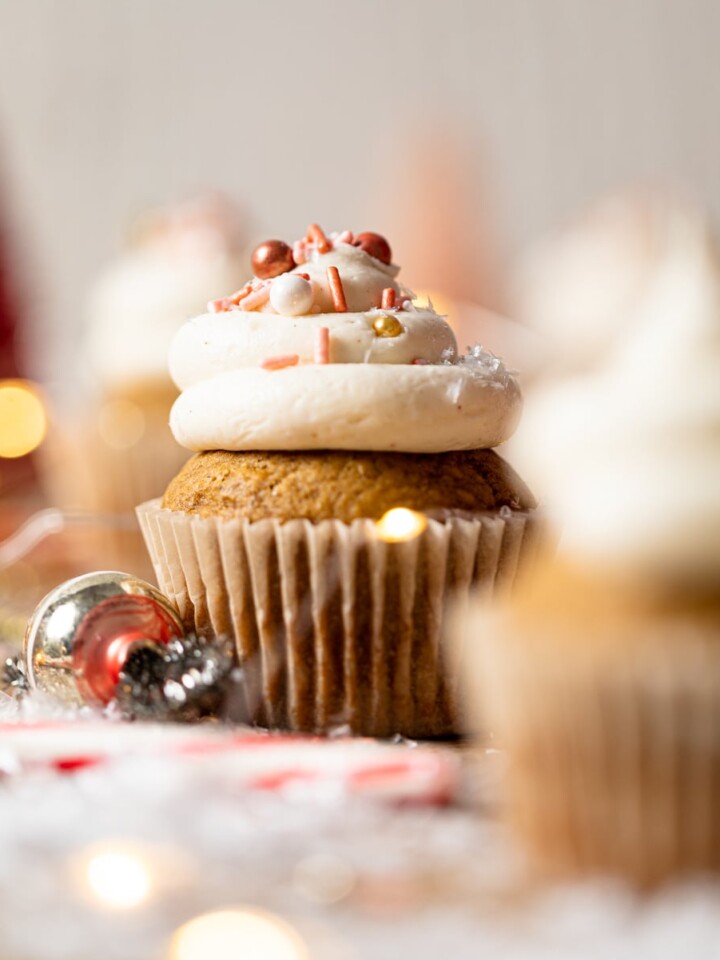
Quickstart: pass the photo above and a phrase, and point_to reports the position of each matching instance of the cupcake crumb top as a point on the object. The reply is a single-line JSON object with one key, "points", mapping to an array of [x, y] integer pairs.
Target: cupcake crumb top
{"points": [[346, 486]]}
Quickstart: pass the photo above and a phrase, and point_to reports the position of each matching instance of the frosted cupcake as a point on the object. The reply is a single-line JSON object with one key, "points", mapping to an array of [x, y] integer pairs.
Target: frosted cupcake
{"points": [[602, 679], [320, 400], [579, 287], [118, 450]]}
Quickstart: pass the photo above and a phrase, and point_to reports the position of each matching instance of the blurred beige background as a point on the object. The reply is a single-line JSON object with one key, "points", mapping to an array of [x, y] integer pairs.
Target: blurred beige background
{"points": [[327, 111]]}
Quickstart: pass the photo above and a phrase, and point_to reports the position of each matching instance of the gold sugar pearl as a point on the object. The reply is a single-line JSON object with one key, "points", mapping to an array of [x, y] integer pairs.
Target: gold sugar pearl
{"points": [[387, 326]]}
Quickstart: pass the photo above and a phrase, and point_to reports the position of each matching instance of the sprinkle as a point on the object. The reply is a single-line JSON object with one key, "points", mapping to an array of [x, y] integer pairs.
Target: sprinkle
{"points": [[240, 294], [321, 345], [255, 299], [344, 237], [304, 276], [388, 298], [316, 236], [219, 306], [419, 362], [336, 289], [299, 252], [387, 325], [454, 390], [291, 295], [402, 302], [277, 363]]}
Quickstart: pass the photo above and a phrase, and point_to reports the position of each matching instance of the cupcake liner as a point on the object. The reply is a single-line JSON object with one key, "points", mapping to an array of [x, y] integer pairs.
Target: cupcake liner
{"points": [[615, 753], [333, 626], [78, 470]]}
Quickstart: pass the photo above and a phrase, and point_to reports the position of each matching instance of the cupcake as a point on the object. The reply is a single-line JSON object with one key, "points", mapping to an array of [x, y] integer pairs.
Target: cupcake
{"points": [[580, 286], [117, 450], [602, 677], [344, 489]]}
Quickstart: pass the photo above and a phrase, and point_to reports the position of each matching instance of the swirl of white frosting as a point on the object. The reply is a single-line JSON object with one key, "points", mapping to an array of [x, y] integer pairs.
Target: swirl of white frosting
{"points": [[630, 455], [218, 342], [408, 392], [418, 409]]}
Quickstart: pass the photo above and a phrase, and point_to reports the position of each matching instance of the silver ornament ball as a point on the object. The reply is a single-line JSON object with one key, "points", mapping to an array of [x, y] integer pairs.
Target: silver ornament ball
{"points": [[81, 632]]}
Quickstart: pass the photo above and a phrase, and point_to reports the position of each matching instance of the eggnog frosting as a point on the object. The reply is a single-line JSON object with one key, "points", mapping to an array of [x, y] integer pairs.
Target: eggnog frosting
{"points": [[361, 368], [180, 257], [630, 454]]}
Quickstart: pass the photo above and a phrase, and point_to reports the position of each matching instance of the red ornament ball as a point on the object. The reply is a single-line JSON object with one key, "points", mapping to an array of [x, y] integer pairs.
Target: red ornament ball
{"points": [[375, 245], [106, 635], [272, 258]]}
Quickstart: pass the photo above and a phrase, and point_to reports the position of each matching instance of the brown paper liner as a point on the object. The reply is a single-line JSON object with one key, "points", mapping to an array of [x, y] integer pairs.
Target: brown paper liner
{"points": [[81, 471], [615, 753], [333, 626], [78, 470]]}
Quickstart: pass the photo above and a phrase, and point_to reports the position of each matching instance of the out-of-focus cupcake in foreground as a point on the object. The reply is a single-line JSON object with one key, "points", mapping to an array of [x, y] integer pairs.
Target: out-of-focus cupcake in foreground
{"points": [[117, 450], [578, 292], [344, 488], [602, 679], [580, 286]]}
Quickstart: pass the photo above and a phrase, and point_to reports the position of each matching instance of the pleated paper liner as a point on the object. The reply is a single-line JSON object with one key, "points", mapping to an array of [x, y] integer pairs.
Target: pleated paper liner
{"points": [[79, 470], [334, 627], [614, 754]]}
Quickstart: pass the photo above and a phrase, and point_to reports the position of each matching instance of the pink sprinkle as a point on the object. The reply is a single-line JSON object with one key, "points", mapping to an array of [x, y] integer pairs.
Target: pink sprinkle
{"points": [[281, 779], [219, 306], [419, 362], [240, 294], [321, 345], [255, 299], [388, 298], [277, 363], [299, 255], [344, 237]]}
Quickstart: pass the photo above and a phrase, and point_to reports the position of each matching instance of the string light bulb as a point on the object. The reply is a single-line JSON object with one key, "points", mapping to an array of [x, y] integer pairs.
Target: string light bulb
{"points": [[118, 878], [23, 421], [400, 524], [245, 932]]}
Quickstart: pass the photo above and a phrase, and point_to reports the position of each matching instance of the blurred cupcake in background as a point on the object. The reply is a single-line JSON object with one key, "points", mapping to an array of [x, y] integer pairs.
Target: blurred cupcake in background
{"points": [[118, 450], [176, 258], [602, 679]]}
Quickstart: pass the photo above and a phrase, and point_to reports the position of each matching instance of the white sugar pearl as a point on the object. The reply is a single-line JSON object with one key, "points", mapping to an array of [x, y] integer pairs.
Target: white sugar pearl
{"points": [[290, 295]]}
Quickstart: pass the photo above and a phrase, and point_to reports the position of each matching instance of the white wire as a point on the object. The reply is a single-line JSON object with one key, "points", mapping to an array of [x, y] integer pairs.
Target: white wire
{"points": [[47, 522]]}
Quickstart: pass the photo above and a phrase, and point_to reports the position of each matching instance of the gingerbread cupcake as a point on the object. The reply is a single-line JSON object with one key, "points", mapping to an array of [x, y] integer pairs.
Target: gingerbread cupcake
{"points": [[344, 489], [115, 450], [602, 677]]}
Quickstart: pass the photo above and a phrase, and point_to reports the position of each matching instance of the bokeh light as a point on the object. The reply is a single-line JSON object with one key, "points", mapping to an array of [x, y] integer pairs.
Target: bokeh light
{"points": [[23, 422], [121, 424], [400, 524], [323, 878], [246, 933], [118, 878]]}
